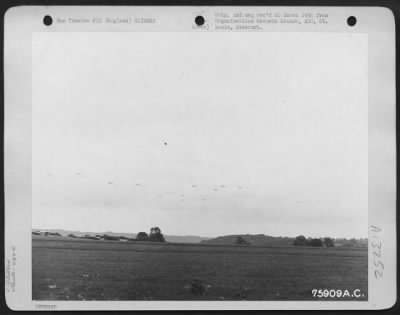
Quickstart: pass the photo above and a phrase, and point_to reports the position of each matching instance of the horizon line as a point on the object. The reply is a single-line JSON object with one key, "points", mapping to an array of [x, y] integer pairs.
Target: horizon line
{"points": [[193, 235]]}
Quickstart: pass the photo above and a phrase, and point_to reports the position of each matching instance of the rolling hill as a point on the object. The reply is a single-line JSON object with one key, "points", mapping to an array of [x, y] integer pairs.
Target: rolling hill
{"points": [[258, 239]]}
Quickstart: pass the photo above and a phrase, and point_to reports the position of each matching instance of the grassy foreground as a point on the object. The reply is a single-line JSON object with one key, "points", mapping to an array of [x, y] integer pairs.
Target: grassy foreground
{"points": [[77, 269]]}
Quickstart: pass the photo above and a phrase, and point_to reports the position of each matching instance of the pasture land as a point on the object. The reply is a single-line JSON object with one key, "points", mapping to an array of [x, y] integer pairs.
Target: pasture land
{"points": [[77, 269]]}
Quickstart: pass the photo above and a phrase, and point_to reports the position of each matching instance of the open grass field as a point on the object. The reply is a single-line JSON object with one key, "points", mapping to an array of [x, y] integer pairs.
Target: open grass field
{"points": [[76, 269]]}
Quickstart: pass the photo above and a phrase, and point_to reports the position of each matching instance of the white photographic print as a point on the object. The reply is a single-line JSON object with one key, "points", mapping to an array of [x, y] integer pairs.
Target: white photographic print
{"points": [[160, 158]]}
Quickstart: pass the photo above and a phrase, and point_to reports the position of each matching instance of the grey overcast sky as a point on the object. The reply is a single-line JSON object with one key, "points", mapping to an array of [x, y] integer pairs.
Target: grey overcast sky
{"points": [[201, 134]]}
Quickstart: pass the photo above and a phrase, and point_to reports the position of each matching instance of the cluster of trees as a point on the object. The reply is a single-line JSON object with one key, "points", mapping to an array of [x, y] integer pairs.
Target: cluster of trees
{"points": [[314, 242], [154, 236], [241, 241]]}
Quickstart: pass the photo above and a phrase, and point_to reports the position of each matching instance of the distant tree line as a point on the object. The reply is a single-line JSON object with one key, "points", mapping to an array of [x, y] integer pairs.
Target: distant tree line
{"points": [[352, 242], [104, 237], [314, 242], [46, 233], [154, 236]]}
